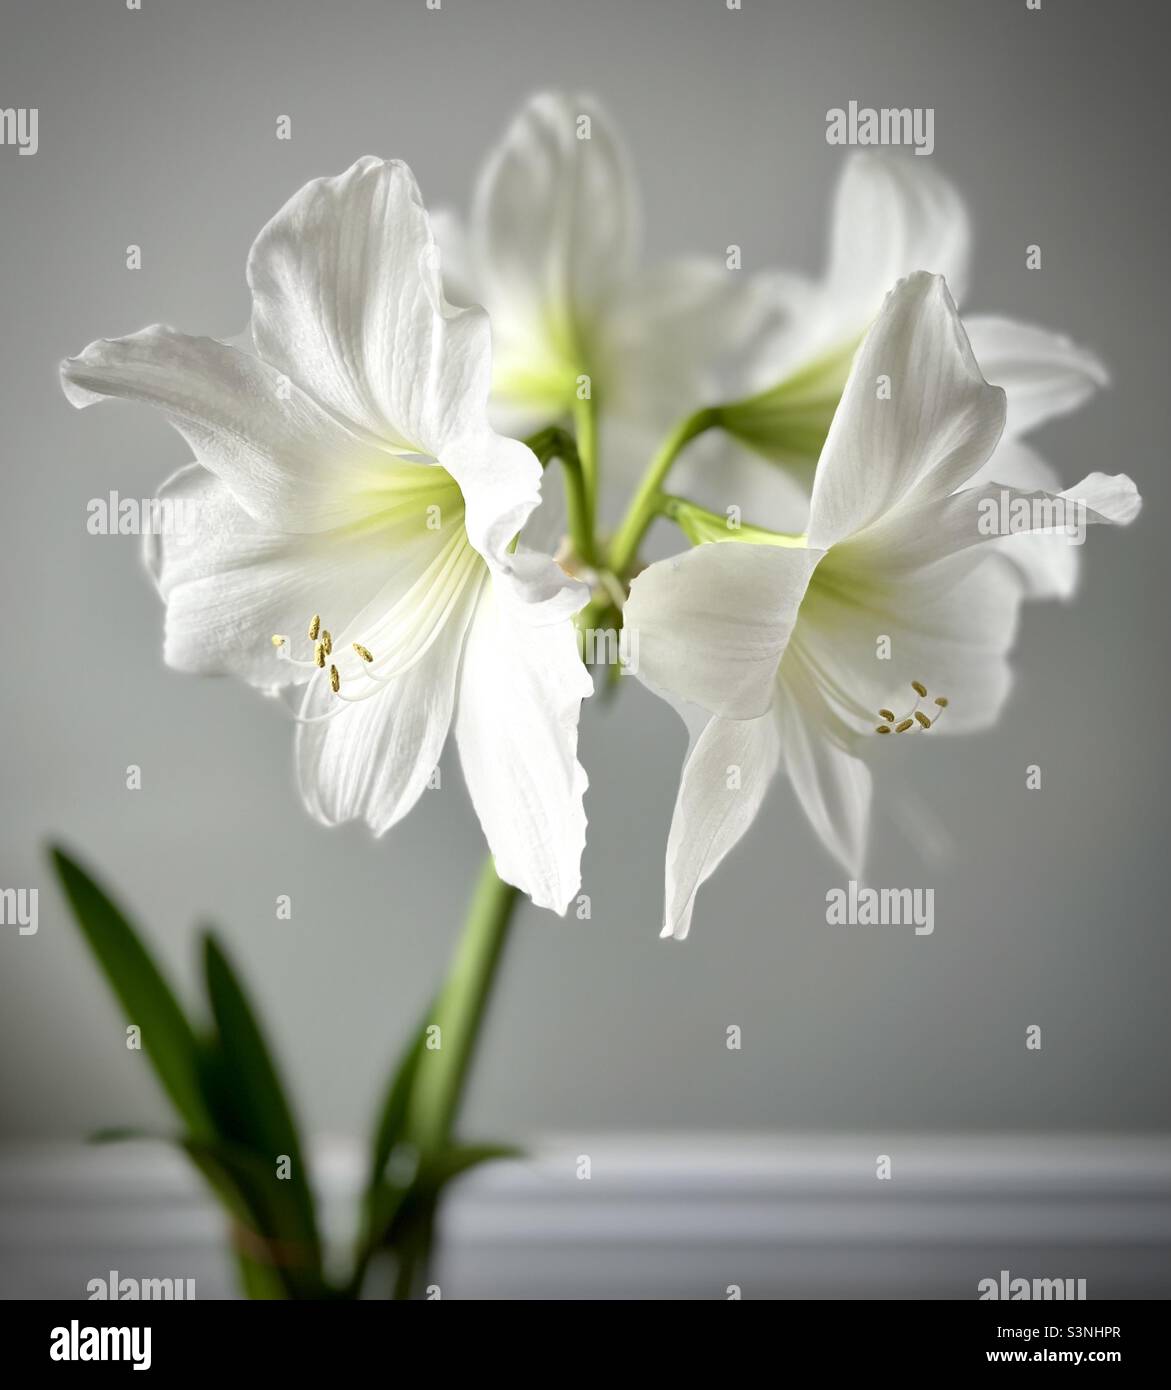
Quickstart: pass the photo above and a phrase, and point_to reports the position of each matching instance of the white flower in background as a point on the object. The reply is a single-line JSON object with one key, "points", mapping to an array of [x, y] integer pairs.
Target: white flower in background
{"points": [[551, 250], [356, 520], [773, 647], [894, 215]]}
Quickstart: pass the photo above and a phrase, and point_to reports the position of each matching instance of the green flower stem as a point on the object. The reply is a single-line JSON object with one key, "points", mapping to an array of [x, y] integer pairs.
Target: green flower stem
{"points": [[556, 443], [443, 1073], [646, 502], [414, 1256], [585, 424]]}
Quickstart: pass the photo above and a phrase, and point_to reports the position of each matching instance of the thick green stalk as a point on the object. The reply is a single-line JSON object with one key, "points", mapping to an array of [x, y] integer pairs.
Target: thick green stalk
{"points": [[645, 504], [556, 443], [443, 1072], [585, 424]]}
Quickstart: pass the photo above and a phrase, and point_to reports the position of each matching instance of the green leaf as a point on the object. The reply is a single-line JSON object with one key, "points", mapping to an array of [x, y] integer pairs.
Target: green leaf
{"points": [[220, 1163], [273, 1263], [259, 1209], [227, 1092], [144, 994], [444, 1167], [383, 1200], [245, 1094], [401, 1218], [392, 1118]]}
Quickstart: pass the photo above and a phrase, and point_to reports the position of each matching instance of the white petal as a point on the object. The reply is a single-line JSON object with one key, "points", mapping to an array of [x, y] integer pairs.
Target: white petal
{"points": [[538, 582], [554, 225], [683, 335], [894, 215], [940, 423], [807, 326], [231, 583], [459, 280], [1043, 374], [546, 527], [1108, 497], [832, 784], [287, 461], [501, 484], [914, 537], [373, 760], [401, 622], [711, 624], [951, 628], [1048, 565], [679, 336], [724, 781], [520, 694], [347, 300]]}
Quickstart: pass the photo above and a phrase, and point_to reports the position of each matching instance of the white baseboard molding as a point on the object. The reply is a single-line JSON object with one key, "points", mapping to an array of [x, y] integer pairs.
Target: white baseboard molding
{"points": [[664, 1216]]}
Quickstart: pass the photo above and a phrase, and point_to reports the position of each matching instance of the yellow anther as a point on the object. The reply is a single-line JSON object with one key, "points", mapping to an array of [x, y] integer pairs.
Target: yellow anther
{"points": [[278, 641], [319, 654], [362, 652], [314, 627], [913, 717], [327, 642], [334, 679]]}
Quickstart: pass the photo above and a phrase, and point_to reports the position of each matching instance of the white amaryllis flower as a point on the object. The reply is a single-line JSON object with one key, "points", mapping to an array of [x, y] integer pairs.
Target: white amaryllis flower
{"points": [[894, 215], [551, 249], [355, 524], [777, 645]]}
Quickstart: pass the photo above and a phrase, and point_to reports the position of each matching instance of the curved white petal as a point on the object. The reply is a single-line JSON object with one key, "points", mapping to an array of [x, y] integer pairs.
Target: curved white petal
{"points": [[1107, 497], [893, 215], [914, 537], [347, 299], [459, 279], [1048, 565], [230, 583], [547, 526], [805, 327], [554, 225], [372, 760], [401, 622], [711, 624], [920, 439], [287, 461], [951, 628], [501, 484], [538, 582], [832, 784], [520, 692], [679, 336], [725, 778], [1043, 374]]}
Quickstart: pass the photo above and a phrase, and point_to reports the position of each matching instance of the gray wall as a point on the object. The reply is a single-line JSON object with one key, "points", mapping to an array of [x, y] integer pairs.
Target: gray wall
{"points": [[158, 128]]}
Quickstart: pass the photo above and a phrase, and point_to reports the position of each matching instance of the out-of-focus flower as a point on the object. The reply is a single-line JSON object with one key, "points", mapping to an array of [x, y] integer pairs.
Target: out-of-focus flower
{"points": [[551, 249], [893, 216]]}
